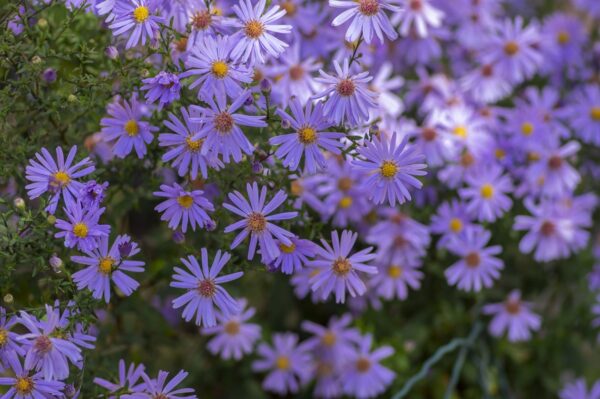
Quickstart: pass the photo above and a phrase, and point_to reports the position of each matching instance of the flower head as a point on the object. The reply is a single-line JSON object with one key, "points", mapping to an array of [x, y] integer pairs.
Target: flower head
{"points": [[129, 379], [24, 384], [368, 17], [163, 88], [81, 229], [182, 207], [513, 316], [139, 16]]}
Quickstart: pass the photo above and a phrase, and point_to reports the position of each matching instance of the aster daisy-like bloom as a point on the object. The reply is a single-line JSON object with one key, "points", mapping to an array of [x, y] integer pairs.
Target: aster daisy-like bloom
{"points": [[288, 363], [450, 219], [552, 174], [467, 128], [513, 49], [8, 338], [486, 195], [478, 267], [182, 207], [185, 152], [390, 167], [256, 31], [81, 229], [338, 270], [56, 177], [218, 72], [366, 377], [294, 257], [221, 128], [25, 385], [583, 113], [258, 221], [417, 16], [368, 17], [578, 390], [44, 350], [513, 316], [163, 88], [348, 96], [204, 22], [126, 129], [335, 341], [395, 278], [92, 194], [139, 16], [309, 136], [204, 289], [160, 387], [104, 264], [129, 380], [233, 336]]}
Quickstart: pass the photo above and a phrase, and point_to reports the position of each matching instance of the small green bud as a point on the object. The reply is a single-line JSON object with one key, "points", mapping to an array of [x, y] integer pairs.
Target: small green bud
{"points": [[51, 219], [72, 98], [19, 203], [42, 23], [36, 59], [8, 298]]}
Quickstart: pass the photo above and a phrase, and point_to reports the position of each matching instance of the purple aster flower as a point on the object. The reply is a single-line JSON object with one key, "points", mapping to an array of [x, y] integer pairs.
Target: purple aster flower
{"points": [[204, 22], [417, 17], [218, 73], [578, 390], [159, 387], [583, 114], [92, 194], [82, 229], [366, 377], [129, 380], [8, 339], [486, 195], [513, 316], [302, 287], [233, 336], [348, 96], [182, 207], [590, 6], [450, 219], [563, 37], [255, 35], [221, 130], [46, 352], [58, 178], [71, 330], [468, 129], [552, 174], [258, 222], [477, 267], [294, 257], [395, 278], [552, 231], [185, 152], [204, 290], [163, 88], [124, 126], [139, 16], [334, 342], [288, 363], [513, 49], [435, 144], [338, 269], [309, 137], [104, 265], [486, 84], [25, 385], [390, 167], [368, 17]]}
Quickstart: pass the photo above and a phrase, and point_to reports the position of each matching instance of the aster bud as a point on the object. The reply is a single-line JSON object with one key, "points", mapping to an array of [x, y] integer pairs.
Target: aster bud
{"points": [[211, 225], [257, 167], [19, 203], [111, 52], [51, 219], [36, 59], [72, 98], [49, 75], [8, 298], [178, 237], [265, 86], [285, 124], [249, 101], [70, 391], [125, 248], [55, 263], [42, 23]]}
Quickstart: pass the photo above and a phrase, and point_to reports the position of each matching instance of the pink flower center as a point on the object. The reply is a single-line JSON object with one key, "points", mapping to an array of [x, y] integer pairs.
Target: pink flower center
{"points": [[346, 87], [207, 288], [223, 122], [368, 7]]}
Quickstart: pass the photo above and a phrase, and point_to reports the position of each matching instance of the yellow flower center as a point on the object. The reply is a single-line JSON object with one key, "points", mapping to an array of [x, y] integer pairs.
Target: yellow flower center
{"points": [[287, 249], [80, 230], [460, 131], [289, 7], [141, 13], [62, 178], [256, 222], [456, 225], [563, 37], [595, 113], [223, 123], [282, 362], [106, 265], [345, 202], [363, 365], [394, 271], [207, 288], [307, 135], [500, 153], [533, 156], [185, 201], [132, 128], [254, 29], [527, 129], [487, 191], [341, 266], [3, 337], [388, 169], [193, 145], [296, 188], [232, 328], [511, 48], [24, 385], [220, 69], [328, 338]]}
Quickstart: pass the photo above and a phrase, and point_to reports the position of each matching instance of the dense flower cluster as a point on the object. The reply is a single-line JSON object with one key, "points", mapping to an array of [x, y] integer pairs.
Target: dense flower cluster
{"points": [[498, 113]]}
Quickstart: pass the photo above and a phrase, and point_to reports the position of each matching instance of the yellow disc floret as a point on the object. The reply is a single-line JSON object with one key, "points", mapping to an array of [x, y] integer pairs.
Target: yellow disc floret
{"points": [[141, 13]]}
